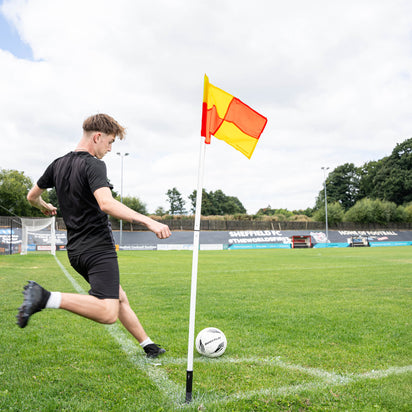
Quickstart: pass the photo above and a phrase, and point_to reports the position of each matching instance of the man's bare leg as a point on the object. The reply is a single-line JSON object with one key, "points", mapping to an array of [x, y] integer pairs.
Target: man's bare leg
{"points": [[131, 322], [100, 310], [36, 298], [106, 311], [129, 319]]}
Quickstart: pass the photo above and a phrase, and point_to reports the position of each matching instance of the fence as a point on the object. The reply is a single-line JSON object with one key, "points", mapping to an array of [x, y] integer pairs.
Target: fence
{"points": [[187, 224]]}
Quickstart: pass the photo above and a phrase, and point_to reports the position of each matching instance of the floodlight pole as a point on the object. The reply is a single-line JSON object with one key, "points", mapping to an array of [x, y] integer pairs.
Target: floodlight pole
{"points": [[11, 237], [122, 155], [326, 201]]}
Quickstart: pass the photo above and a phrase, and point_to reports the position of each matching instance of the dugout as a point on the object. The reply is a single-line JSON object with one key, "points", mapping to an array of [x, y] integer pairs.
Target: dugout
{"points": [[358, 242], [301, 241]]}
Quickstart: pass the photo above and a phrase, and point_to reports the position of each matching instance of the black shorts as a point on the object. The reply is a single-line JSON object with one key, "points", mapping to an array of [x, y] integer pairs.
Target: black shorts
{"points": [[101, 271]]}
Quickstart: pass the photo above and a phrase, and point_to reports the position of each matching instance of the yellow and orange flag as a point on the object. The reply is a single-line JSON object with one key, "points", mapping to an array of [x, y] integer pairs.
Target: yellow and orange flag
{"points": [[227, 118]]}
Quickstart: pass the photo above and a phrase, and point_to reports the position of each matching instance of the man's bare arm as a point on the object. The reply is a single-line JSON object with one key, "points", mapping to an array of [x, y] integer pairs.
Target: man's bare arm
{"points": [[118, 210], [35, 199]]}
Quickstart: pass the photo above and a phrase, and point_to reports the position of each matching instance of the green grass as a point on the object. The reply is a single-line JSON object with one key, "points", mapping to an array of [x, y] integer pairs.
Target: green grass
{"points": [[307, 330]]}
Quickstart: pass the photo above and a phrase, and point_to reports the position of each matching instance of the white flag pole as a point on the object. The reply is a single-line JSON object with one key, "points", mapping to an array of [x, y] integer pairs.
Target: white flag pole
{"points": [[196, 235]]}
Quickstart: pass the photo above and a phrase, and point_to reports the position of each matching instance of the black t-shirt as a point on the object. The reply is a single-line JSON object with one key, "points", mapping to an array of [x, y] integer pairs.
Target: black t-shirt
{"points": [[76, 176]]}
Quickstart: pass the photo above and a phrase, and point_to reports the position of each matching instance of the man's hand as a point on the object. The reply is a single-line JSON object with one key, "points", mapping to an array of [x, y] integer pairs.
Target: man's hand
{"points": [[48, 209], [159, 229]]}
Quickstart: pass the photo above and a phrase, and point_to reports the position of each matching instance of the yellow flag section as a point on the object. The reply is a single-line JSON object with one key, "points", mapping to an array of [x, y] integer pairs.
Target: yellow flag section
{"points": [[227, 118]]}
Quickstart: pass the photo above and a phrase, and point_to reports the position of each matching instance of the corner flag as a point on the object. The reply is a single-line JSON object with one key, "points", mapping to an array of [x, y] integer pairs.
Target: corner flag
{"points": [[229, 119]]}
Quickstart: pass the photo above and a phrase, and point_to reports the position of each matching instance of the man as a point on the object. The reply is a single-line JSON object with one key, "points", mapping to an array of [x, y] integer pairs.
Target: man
{"points": [[85, 201]]}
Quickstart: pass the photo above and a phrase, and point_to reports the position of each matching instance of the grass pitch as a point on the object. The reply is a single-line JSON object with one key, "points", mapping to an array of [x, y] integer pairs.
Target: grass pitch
{"points": [[307, 330]]}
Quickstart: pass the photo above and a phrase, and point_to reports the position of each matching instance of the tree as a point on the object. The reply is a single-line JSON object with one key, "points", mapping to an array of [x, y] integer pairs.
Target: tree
{"points": [[226, 205], [307, 212], [392, 180], [14, 186], [408, 211], [367, 177], [268, 211], [176, 202], [389, 178], [342, 185], [376, 211], [336, 213], [134, 203], [217, 203], [206, 204], [160, 211]]}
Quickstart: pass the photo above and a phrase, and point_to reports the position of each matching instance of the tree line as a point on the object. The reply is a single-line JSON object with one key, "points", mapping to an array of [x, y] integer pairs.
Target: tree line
{"points": [[388, 179], [214, 203], [15, 185], [376, 192]]}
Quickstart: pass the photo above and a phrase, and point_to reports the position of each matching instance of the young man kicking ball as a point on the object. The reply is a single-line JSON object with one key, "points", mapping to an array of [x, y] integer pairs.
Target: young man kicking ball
{"points": [[85, 200]]}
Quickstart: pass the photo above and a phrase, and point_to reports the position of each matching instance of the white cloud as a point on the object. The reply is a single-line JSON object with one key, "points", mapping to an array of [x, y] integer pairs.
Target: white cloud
{"points": [[333, 78]]}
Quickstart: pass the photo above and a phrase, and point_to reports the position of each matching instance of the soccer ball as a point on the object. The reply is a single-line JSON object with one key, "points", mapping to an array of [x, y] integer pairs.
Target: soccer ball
{"points": [[211, 342]]}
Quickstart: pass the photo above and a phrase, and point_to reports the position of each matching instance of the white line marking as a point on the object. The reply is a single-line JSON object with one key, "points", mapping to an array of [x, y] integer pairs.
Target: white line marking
{"points": [[399, 370], [173, 392], [328, 377], [69, 276], [343, 380]]}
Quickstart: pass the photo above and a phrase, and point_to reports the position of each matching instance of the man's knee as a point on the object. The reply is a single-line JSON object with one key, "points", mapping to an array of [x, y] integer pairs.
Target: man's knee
{"points": [[109, 318], [110, 312]]}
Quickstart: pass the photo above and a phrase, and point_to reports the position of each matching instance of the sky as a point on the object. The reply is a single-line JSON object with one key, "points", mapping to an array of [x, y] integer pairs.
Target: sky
{"points": [[334, 80]]}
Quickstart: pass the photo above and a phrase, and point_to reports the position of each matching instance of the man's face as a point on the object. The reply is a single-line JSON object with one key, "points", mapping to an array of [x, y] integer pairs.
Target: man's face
{"points": [[103, 144]]}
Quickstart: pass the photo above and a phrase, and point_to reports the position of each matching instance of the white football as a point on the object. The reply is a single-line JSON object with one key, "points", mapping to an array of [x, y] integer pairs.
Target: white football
{"points": [[211, 342]]}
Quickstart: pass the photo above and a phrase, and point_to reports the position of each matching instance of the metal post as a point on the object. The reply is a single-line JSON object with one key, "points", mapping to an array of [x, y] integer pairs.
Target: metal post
{"points": [[11, 236], [122, 155], [326, 202]]}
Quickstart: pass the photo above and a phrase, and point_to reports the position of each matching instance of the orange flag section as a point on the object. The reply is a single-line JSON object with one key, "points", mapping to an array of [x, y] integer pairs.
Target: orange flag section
{"points": [[229, 119]]}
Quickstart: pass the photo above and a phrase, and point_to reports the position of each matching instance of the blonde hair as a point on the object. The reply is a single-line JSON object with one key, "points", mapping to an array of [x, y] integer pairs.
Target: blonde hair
{"points": [[105, 124]]}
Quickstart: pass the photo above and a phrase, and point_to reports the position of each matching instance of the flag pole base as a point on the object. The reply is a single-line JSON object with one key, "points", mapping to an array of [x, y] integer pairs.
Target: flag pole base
{"points": [[189, 382]]}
